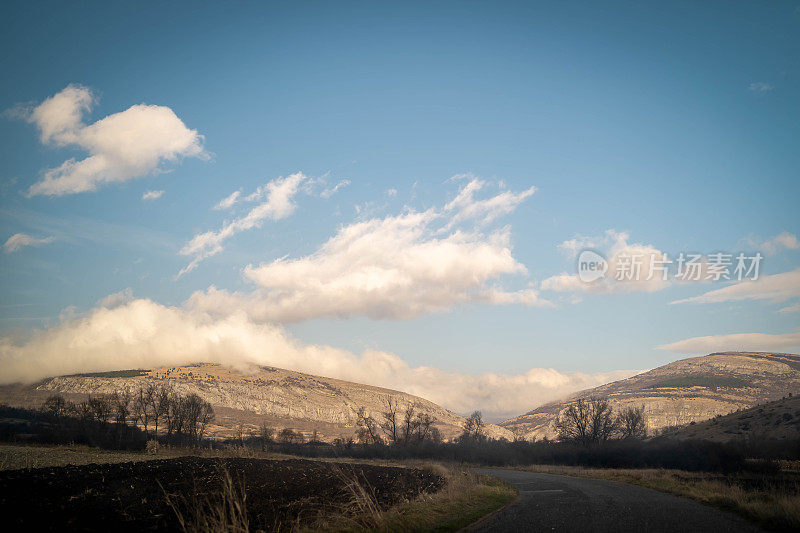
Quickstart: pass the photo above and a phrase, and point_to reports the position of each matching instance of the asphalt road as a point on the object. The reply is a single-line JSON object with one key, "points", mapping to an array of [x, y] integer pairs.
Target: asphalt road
{"points": [[549, 502]]}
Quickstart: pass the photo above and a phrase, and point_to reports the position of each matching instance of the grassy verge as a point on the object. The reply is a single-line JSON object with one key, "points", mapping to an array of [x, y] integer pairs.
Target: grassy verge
{"points": [[464, 499], [771, 506]]}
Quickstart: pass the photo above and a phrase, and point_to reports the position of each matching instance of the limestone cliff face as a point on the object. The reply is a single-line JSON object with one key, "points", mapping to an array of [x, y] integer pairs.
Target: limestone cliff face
{"points": [[689, 390], [778, 420], [283, 398]]}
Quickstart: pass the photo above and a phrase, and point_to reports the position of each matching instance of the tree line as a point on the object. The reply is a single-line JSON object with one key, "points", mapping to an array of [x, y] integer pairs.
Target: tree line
{"points": [[182, 418], [586, 422], [593, 421], [396, 426]]}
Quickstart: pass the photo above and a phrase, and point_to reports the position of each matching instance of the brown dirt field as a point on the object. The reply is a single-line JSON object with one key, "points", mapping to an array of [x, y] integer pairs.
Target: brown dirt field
{"points": [[129, 496]]}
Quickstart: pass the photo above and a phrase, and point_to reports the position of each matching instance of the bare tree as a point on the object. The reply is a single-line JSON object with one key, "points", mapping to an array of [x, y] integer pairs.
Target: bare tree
{"points": [[163, 404], [101, 408], [587, 421], [573, 423], [122, 406], [602, 424], [265, 433], [631, 423], [290, 436], [473, 429], [205, 417], [367, 431], [187, 417], [84, 412], [389, 424], [142, 401], [410, 424], [159, 405], [424, 425], [56, 406]]}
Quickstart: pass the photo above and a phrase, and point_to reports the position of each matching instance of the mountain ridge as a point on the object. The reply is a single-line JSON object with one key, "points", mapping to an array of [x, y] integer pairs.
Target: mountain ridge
{"points": [[249, 397], [688, 390]]}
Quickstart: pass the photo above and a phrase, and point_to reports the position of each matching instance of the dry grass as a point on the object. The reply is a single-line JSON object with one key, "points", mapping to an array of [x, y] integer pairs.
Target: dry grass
{"points": [[13, 457], [464, 499], [771, 506], [222, 511]]}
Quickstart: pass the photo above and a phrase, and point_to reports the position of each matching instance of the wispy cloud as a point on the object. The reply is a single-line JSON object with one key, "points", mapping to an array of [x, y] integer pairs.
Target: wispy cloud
{"points": [[790, 309], [775, 288], [76, 229], [278, 203], [330, 191], [21, 240], [773, 246], [152, 195], [737, 342], [121, 146], [229, 201], [466, 207], [760, 88]]}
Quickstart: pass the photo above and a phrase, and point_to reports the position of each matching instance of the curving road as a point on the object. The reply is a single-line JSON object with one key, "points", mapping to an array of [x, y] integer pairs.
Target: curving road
{"points": [[549, 502]]}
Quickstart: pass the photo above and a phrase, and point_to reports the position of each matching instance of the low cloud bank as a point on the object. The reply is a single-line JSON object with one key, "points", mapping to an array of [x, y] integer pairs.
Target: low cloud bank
{"points": [[141, 333]]}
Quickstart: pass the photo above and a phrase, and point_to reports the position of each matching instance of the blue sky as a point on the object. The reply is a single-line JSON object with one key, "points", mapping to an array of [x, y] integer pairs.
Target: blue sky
{"points": [[676, 124]]}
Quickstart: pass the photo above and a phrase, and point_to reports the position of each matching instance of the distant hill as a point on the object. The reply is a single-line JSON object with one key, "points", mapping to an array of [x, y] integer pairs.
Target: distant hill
{"points": [[281, 398], [689, 390], [779, 420]]}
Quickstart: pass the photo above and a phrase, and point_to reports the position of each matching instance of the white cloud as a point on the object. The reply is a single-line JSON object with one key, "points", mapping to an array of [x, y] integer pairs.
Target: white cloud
{"points": [[144, 334], [20, 240], [776, 288], [330, 191], [117, 299], [152, 195], [279, 204], [121, 146], [790, 309], [465, 207], [572, 247], [396, 267], [229, 201], [784, 241], [760, 88], [391, 192], [738, 342], [615, 248]]}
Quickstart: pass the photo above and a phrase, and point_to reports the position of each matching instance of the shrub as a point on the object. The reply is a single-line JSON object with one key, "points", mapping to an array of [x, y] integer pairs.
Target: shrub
{"points": [[152, 447]]}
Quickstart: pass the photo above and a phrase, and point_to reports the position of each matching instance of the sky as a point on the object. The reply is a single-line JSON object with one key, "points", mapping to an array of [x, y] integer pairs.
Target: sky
{"points": [[398, 193]]}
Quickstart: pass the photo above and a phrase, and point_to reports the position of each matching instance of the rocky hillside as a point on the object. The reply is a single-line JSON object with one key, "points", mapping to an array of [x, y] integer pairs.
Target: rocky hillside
{"points": [[281, 398], [779, 420], [689, 390]]}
